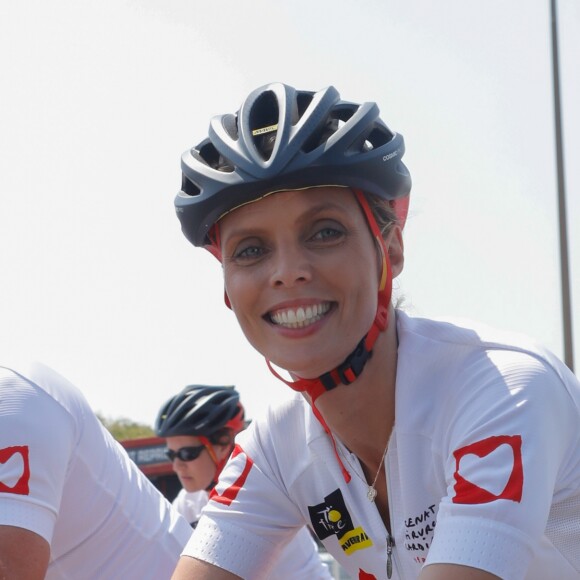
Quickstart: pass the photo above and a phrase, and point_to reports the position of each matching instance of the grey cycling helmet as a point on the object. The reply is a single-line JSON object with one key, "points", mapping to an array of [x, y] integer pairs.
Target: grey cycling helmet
{"points": [[200, 410], [283, 138]]}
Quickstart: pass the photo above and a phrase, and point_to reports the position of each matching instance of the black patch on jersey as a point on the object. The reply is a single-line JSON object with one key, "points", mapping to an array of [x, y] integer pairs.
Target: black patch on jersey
{"points": [[331, 517]]}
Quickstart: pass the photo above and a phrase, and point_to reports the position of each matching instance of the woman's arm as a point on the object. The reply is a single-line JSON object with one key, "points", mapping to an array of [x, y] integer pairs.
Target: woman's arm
{"points": [[23, 554], [194, 569], [454, 572]]}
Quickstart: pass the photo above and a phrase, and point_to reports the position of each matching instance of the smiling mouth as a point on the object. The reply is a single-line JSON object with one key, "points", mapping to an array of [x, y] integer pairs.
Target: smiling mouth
{"points": [[299, 317]]}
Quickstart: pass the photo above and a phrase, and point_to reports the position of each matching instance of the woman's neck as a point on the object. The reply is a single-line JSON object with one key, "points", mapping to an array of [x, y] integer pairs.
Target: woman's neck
{"points": [[362, 414]]}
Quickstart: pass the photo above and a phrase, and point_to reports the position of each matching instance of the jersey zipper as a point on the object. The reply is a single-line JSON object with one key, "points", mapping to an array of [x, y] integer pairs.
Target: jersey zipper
{"points": [[390, 546], [391, 553]]}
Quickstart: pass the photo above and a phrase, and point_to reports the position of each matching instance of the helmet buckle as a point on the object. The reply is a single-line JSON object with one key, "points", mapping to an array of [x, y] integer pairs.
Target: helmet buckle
{"points": [[382, 316], [353, 366]]}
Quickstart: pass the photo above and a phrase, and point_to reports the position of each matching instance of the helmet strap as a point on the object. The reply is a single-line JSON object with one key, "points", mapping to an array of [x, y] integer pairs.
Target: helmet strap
{"points": [[227, 299], [219, 463]]}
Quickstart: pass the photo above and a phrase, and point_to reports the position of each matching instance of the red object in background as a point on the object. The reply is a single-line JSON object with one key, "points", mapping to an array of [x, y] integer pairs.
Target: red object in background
{"points": [[149, 455]]}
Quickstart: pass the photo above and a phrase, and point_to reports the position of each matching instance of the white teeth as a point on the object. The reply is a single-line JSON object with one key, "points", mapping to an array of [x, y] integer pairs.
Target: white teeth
{"points": [[301, 317]]}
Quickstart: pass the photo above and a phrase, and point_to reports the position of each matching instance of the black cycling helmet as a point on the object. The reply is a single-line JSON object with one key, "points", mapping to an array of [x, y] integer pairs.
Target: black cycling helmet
{"points": [[283, 138], [200, 410]]}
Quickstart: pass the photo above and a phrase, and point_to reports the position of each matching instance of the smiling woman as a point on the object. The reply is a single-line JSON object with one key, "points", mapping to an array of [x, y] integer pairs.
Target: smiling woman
{"points": [[281, 259], [448, 428]]}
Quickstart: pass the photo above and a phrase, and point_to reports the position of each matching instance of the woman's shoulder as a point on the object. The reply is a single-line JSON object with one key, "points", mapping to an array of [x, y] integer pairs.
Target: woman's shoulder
{"points": [[459, 330], [284, 436], [44, 392], [464, 340], [452, 360], [293, 415]]}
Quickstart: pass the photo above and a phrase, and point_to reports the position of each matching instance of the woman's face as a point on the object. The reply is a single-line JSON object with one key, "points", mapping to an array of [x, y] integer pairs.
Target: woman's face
{"points": [[302, 271], [197, 474]]}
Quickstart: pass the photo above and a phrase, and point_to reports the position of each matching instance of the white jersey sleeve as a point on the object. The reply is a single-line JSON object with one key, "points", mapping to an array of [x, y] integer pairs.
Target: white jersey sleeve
{"points": [[33, 467], [508, 435], [64, 477]]}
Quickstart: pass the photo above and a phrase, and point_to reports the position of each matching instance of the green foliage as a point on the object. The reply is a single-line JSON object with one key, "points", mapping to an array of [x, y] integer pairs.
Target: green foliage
{"points": [[122, 428]]}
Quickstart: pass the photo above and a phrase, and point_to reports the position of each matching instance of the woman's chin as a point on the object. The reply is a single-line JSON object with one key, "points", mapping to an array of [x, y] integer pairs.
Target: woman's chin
{"points": [[311, 369], [189, 485]]}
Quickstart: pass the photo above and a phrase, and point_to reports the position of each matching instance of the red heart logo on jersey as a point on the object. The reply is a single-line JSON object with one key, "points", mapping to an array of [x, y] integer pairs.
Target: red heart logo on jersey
{"points": [[489, 470], [14, 467]]}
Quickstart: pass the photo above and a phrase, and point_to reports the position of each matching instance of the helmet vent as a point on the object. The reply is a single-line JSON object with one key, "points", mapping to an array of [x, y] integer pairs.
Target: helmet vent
{"points": [[230, 124], [377, 138], [264, 118], [210, 155], [303, 100], [188, 187], [333, 123]]}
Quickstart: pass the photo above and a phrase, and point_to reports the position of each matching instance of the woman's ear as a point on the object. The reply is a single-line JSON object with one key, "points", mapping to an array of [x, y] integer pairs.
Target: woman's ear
{"points": [[222, 451], [396, 249]]}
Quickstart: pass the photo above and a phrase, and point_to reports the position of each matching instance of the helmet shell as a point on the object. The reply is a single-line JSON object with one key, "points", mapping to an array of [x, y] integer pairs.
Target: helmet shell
{"points": [[280, 139], [201, 410]]}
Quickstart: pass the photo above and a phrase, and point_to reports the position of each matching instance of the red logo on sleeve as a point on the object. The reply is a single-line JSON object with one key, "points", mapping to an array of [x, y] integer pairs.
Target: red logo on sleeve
{"points": [[362, 575], [14, 470], [230, 493], [489, 470]]}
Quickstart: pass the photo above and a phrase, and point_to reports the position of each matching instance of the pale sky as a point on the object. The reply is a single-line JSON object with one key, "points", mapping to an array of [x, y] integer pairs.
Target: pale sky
{"points": [[99, 99]]}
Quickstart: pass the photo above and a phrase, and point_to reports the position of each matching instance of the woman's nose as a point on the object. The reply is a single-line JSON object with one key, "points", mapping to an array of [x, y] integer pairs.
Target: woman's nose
{"points": [[291, 266]]}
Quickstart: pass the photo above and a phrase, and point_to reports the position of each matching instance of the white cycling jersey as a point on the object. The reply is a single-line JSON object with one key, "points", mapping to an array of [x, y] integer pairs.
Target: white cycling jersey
{"points": [[190, 503], [65, 478], [483, 469], [299, 558]]}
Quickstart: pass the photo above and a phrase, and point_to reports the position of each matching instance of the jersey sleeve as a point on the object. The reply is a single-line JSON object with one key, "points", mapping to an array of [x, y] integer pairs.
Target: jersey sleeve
{"points": [[250, 518], [509, 430], [36, 437], [300, 559]]}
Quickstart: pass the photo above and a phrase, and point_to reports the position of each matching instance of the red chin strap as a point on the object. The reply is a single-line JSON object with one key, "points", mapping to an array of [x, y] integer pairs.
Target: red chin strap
{"points": [[219, 463], [352, 367]]}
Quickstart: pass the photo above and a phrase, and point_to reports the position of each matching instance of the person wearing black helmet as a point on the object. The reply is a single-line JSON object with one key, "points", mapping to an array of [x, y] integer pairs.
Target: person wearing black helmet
{"points": [[414, 448], [200, 424]]}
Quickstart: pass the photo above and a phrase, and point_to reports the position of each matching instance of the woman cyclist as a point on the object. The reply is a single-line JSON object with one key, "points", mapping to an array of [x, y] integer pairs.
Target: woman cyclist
{"points": [[415, 448], [200, 424]]}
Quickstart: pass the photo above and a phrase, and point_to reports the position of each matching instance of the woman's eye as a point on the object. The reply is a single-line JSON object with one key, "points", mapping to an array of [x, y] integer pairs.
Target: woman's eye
{"points": [[248, 253], [327, 233]]}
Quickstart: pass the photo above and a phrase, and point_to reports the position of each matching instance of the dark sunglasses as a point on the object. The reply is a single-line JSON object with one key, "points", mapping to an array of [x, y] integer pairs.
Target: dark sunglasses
{"points": [[185, 453]]}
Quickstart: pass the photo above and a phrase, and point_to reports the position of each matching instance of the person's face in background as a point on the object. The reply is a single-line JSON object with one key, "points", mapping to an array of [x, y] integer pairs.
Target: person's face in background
{"points": [[197, 474]]}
